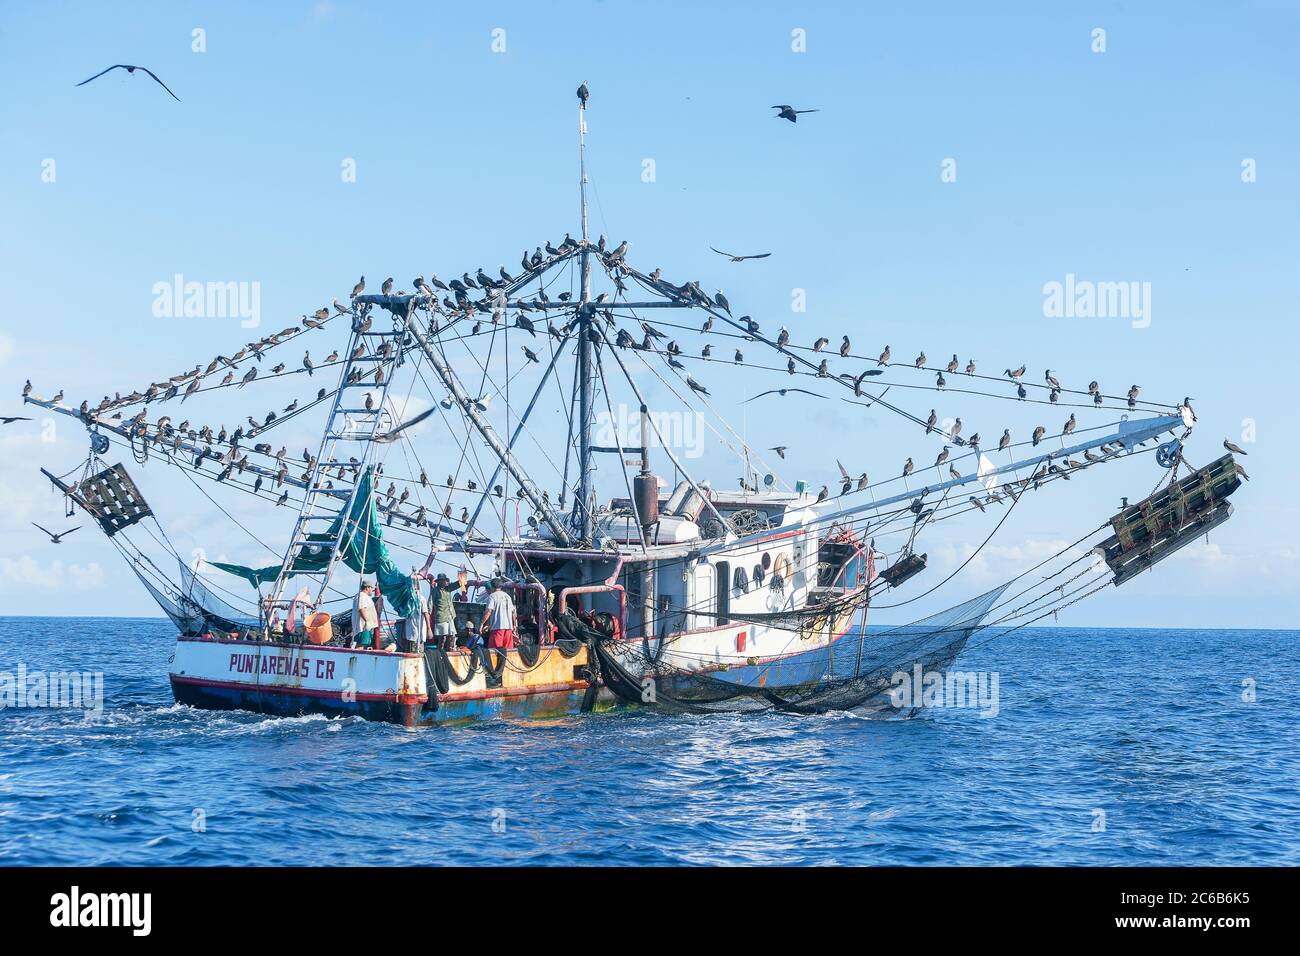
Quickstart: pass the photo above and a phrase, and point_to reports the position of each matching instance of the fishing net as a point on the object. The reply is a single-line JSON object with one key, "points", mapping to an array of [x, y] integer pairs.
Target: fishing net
{"points": [[851, 673]]}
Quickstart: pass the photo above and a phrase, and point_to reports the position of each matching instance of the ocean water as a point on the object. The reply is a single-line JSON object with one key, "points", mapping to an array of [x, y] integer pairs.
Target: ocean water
{"points": [[1110, 747]]}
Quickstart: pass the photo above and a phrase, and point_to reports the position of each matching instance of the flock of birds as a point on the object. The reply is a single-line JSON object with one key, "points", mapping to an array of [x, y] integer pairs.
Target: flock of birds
{"points": [[482, 296], [460, 301]]}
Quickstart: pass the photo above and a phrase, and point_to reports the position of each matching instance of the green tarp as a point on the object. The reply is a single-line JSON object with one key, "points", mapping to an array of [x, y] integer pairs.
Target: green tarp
{"points": [[364, 551]]}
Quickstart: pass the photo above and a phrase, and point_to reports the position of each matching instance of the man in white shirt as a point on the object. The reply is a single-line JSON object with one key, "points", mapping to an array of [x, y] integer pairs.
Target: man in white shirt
{"points": [[499, 620], [364, 616]]}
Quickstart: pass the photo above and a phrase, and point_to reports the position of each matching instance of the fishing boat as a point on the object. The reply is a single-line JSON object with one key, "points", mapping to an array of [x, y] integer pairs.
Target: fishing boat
{"points": [[660, 589]]}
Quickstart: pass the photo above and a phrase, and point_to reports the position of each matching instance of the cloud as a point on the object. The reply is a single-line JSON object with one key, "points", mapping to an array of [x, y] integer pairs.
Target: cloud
{"points": [[322, 12], [27, 573], [1001, 562]]}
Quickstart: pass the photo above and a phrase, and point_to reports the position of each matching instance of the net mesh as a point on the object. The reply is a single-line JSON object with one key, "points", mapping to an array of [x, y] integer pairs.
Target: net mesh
{"points": [[851, 673]]}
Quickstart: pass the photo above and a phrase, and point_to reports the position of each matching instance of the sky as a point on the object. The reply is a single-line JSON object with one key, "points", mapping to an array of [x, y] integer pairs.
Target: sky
{"points": [[961, 161]]}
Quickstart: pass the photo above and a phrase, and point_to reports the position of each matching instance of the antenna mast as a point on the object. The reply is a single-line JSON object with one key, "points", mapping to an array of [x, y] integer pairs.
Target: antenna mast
{"points": [[582, 516]]}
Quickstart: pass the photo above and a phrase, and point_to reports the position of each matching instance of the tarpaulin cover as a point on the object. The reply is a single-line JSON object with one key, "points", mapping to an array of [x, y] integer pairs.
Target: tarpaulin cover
{"points": [[364, 551]]}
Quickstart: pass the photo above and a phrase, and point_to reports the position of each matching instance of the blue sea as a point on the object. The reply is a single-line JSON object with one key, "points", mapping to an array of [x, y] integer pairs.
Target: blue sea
{"points": [[1109, 747]]}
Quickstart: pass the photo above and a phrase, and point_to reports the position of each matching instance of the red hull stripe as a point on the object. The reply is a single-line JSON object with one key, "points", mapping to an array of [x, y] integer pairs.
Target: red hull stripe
{"points": [[515, 691], [303, 691]]}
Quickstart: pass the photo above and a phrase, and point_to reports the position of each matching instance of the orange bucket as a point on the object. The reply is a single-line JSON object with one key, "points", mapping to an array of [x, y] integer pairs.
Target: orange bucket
{"points": [[318, 628]]}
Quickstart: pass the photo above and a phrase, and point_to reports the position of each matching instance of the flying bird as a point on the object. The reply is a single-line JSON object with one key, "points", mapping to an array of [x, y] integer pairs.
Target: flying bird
{"points": [[392, 435], [735, 258], [785, 111], [56, 538], [782, 392], [10, 419], [131, 69]]}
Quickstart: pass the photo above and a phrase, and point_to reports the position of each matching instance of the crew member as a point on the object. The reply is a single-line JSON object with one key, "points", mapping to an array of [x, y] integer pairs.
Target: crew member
{"points": [[444, 612], [499, 620], [364, 616]]}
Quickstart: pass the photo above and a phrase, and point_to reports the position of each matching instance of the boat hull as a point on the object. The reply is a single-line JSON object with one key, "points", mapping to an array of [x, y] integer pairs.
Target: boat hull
{"points": [[291, 680]]}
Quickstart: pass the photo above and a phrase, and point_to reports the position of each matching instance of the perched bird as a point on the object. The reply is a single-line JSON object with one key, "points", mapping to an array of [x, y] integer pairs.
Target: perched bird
{"points": [[1039, 432], [1235, 449], [1005, 441], [820, 344], [785, 111], [920, 361], [976, 502], [131, 69], [1241, 471], [307, 363], [930, 422], [735, 258], [583, 95], [943, 456], [695, 386], [1050, 379], [823, 494], [1015, 374], [1069, 425], [907, 467], [953, 365], [529, 353], [57, 538], [359, 288], [844, 346], [970, 367]]}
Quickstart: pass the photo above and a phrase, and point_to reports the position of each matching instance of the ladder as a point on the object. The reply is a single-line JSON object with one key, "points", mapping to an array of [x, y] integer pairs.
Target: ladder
{"points": [[349, 434]]}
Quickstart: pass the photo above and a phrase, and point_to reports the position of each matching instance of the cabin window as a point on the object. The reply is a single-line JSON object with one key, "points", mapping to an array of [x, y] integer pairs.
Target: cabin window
{"points": [[723, 592]]}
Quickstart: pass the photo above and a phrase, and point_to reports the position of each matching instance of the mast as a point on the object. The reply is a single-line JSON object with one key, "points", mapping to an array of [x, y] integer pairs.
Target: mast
{"points": [[582, 517]]}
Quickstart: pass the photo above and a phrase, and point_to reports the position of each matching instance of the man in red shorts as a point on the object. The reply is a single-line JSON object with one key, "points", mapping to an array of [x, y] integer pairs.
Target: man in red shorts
{"points": [[499, 620]]}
